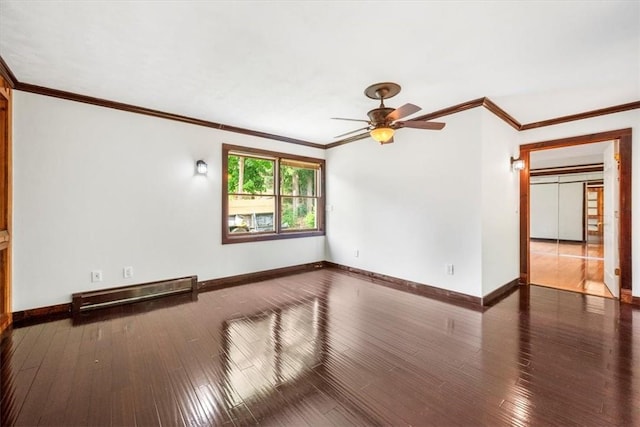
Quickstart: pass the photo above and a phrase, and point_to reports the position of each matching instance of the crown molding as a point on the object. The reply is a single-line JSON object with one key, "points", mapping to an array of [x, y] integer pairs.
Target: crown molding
{"points": [[500, 113], [509, 119], [347, 140], [41, 90], [581, 116], [485, 102], [450, 110]]}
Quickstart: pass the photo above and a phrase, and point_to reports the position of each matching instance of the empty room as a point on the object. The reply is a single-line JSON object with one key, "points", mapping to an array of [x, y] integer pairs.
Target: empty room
{"points": [[319, 213]]}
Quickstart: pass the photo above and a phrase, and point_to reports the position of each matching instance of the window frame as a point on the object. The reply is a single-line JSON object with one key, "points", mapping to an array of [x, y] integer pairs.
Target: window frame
{"points": [[278, 233]]}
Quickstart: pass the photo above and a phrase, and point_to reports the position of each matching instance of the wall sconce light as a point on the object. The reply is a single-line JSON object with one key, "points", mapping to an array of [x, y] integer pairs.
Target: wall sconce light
{"points": [[201, 167], [517, 164]]}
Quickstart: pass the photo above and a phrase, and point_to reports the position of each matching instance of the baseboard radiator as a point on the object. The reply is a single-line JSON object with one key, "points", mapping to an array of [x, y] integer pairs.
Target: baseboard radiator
{"points": [[91, 300]]}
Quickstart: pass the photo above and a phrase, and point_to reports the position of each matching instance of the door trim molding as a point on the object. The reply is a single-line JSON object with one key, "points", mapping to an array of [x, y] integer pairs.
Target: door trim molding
{"points": [[6, 186], [624, 136]]}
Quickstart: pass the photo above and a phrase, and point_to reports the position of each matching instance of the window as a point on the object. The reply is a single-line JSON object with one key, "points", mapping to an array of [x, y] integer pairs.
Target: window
{"points": [[269, 195]]}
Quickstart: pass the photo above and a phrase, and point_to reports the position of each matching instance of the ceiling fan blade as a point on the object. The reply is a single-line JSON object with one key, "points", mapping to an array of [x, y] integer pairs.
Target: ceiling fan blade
{"points": [[351, 120], [403, 111], [353, 131], [419, 124]]}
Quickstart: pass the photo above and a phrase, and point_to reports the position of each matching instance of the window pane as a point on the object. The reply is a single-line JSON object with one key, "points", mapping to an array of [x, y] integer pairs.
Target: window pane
{"points": [[265, 193], [251, 214], [250, 175], [297, 181], [299, 213]]}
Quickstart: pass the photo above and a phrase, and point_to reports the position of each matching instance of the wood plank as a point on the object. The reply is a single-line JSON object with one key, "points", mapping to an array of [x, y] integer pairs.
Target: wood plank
{"points": [[41, 387], [569, 266], [52, 410], [247, 354]]}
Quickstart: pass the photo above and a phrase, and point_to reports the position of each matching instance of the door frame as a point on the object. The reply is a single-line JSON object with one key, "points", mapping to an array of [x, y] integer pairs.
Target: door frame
{"points": [[6, 191], [624, 232]]}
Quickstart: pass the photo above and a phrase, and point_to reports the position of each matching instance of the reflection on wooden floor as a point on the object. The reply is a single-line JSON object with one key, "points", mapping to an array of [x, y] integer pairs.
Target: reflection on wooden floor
{"points": [[571, 266]]}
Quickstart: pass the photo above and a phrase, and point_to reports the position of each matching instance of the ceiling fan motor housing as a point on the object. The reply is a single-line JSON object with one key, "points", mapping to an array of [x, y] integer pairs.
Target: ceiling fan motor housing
{"points": [[378, 116]]}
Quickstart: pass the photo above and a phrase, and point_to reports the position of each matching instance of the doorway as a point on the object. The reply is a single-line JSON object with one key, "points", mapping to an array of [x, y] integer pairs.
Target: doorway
{"points": [[622, 229], [566, 219]]}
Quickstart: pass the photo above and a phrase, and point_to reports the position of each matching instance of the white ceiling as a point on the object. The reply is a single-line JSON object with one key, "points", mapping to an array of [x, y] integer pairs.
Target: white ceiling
{"points": [[287, 67]]}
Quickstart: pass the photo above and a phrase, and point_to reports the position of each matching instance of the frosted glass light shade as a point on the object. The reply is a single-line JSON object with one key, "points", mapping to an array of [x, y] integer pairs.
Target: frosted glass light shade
{"points": [[201, 167], [517, 164], [382, 134]]}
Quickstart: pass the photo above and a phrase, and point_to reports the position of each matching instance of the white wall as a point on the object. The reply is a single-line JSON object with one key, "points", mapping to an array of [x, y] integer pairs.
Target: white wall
{"points": [[628, 119], [97, 188], [429, 199], [500, 204], [410, 207]]}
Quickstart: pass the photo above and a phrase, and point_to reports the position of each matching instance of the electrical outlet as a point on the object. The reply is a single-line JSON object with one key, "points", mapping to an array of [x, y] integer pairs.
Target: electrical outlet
{"points": [[356, 253], [449, 269], [127, 272], [96, 276]]}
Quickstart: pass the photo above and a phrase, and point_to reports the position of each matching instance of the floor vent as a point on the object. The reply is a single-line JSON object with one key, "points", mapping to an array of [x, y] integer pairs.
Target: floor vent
{"points": [[92, 300]]}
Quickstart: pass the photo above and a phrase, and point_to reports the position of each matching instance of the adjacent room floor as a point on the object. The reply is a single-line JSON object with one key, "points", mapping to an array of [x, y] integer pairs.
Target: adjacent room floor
{"points": [[577, 267], [328, 348]]}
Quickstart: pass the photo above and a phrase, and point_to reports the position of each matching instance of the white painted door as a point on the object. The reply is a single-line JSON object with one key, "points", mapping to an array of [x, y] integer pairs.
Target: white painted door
{"points": [[611, 217]]}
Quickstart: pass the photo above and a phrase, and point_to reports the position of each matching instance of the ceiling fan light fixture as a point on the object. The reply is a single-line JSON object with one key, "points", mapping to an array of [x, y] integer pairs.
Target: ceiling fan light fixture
{"points": [[384, 120], [381, 134]]}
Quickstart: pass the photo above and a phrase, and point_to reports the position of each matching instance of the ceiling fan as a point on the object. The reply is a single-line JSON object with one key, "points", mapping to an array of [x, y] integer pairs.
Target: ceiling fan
{"points": [[383, 121]]}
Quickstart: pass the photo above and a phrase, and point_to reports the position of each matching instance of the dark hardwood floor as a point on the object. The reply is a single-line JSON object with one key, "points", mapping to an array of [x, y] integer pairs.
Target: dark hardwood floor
{"points": [[328, 348]]}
